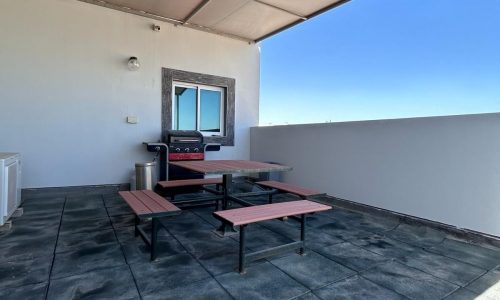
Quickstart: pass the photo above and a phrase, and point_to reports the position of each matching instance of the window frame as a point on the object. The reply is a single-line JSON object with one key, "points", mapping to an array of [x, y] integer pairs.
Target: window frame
{"points": [[169, 76], [199, 88]]}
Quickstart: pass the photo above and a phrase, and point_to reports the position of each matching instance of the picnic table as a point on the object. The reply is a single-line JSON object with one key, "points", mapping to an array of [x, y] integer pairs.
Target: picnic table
{"points": [[227, 168]]}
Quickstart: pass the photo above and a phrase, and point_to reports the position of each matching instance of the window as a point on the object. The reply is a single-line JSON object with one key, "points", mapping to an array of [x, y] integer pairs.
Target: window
{"points": [[198, 107], [194, 101]]}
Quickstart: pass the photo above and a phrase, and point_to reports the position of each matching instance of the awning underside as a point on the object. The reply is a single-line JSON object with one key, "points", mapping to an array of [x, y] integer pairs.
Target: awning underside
{"points": [[248, 20]]}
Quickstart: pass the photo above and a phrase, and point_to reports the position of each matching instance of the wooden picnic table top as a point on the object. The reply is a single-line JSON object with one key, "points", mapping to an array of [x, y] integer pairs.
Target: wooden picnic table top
{"points": [[229, 166], [252, 214]]}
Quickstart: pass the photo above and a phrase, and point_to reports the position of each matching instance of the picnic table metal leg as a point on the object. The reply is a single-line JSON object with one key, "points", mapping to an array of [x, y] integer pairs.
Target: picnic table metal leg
{"points": [[136, 223], [227, 180], [225, 228], [154, 235], [302, 250], [241, 265]]}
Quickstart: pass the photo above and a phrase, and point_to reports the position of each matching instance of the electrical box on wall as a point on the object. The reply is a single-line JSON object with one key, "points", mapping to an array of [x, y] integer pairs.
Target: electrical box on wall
{"points": [[132, 120]]}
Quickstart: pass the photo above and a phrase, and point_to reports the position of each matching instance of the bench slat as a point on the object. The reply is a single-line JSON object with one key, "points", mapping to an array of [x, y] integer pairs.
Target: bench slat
{"points": [[167, 206], [147, 201], [189, 182], [289, 188], [247, 215], [137, 206]]}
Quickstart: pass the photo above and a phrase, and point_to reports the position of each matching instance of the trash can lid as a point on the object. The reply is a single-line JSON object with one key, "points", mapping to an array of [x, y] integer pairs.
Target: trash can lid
{"points": [[145, 164]]}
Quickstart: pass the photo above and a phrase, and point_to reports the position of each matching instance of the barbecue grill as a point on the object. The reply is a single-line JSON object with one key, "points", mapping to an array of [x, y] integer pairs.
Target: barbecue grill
{"points": [[179, 145]]}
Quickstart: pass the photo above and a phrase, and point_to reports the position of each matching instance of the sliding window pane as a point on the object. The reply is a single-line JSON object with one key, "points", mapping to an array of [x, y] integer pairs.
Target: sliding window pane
{"points": [[210, 110], [185, 108]]}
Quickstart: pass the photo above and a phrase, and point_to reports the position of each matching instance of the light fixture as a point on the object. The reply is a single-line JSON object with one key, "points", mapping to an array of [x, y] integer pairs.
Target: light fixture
{"points": [[133, 64]]}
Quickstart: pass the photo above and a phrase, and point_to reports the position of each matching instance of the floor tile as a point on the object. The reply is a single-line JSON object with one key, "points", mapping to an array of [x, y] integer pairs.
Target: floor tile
{"points": [[119, 210], [408, 281], [205, 240], [489, 281], [84, 214], [443, 267], [168, 273], [127, 234], [462, 294], [373, 224], [27, 249], [356, 288], [262, 238], [87, 259], [385, 246], [26, 232], [307, 296], [113, 200], [337, 228], [352, 256], [479, 256], [137, 251], [122, 221], [262, 281], [77, 226], [420, 236], [83, 202], [35, 206], [221, 260], [312, 270], [24, 272], [112, 283], [207, 289], [68, 242], [186, 221], [206, 214], [27, 292]]}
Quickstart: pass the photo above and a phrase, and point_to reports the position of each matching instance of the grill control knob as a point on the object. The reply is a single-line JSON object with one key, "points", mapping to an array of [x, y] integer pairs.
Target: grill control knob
{"points": [[177, 150], [196, 150], [186, 150]]}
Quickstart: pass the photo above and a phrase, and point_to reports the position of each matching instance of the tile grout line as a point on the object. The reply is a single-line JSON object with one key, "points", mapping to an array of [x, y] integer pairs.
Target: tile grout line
{"points": [[196, 259], [121, 249], [49, 281]]}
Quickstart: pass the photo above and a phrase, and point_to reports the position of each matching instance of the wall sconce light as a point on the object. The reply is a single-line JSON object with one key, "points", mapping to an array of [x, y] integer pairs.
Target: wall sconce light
{"points": [[133, 64]]}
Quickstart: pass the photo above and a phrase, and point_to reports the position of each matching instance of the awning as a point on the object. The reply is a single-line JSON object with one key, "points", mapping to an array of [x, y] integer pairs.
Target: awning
{"points": [[248, 20]]}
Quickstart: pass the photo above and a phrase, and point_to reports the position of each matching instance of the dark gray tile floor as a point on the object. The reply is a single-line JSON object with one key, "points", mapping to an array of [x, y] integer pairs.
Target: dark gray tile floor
{"points": [[83, 247]]}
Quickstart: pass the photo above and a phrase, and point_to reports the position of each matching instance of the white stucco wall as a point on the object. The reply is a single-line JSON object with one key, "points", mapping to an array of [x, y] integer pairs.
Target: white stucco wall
{"points": [[65, 90], [445, 169]]}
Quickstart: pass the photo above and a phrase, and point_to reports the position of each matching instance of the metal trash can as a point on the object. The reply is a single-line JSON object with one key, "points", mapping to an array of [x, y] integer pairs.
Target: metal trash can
{"points": [[145, 175]]}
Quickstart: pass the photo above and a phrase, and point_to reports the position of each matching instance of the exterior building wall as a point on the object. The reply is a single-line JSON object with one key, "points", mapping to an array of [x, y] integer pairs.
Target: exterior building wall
{"points": [[65, 90], [445, 169]]}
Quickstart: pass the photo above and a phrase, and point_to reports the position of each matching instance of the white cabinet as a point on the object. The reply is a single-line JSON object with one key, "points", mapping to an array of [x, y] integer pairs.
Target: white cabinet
{"points": [[10, 184]]}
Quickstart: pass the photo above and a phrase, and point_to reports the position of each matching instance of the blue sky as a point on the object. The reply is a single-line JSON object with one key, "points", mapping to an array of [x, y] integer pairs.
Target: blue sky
{"points": [[384, 59]]}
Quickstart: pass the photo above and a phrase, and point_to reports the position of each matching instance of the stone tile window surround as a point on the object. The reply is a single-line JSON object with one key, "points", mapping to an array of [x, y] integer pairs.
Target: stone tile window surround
{"points": [[171, 76]]}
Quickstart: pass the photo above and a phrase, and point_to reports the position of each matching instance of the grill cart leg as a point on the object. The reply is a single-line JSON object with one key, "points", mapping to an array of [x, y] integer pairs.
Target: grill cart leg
{"points": [[302, 250], [241, 266]]}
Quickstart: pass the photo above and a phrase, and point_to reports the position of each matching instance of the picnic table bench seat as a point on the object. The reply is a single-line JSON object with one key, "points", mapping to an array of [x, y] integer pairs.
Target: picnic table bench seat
{"points": [[182, 186], [189, 182], [288, 188], [147, 204], [248, 215]]}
